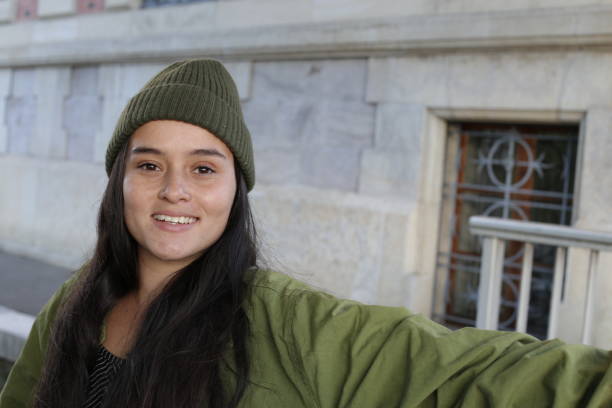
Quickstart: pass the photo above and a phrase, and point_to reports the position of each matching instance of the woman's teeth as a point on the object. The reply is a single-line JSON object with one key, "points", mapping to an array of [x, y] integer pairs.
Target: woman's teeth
{"points": [[175, 220]]}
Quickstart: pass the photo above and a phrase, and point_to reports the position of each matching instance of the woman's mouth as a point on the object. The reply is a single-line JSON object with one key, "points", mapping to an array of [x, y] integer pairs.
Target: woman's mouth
{"points": [[174, 220]]}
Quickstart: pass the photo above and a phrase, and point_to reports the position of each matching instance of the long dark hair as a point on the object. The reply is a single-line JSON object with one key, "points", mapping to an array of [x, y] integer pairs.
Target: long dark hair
{"points": [[191, 349]]}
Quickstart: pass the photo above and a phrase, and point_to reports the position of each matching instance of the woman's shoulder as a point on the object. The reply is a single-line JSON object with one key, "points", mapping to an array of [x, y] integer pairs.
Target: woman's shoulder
{"points": [[60, 295], [48, 313], [270, 280], [63, 291], [285, 298], [26, 370], [274, 286]]}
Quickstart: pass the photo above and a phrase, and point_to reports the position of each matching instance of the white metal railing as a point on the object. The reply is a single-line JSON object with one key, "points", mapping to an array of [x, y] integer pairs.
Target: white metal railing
{"points": [[496, 231]]}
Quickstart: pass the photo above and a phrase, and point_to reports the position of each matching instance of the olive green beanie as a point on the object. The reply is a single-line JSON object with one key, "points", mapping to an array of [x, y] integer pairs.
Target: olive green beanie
{"points": [[200, 92]]}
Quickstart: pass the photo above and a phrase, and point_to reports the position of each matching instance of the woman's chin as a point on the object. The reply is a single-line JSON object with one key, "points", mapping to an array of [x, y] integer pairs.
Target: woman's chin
{"points": [[178, 258], [174, 257]]}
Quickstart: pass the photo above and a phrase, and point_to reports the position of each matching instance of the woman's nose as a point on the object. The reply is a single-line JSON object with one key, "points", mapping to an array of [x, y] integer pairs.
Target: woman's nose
{"points": [[175, 188]]}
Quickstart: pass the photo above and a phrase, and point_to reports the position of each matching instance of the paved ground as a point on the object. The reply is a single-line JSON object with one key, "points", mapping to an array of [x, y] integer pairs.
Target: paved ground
{"points": [[27, 284], [5, 367]]}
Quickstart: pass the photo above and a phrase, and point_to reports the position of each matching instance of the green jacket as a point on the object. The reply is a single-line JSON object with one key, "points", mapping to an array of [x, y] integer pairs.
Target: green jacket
{"points": [[310, 349]]}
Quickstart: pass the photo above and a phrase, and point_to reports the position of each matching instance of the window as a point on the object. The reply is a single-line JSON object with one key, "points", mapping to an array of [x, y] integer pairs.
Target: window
{"points": [[158, 3], [89, 6], [523, 172], [27, 10]]}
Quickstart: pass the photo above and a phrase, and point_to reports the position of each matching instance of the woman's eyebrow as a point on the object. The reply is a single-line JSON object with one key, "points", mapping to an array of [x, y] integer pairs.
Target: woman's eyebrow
{"points": [[207, 152], [144, 149], [196, 152]]}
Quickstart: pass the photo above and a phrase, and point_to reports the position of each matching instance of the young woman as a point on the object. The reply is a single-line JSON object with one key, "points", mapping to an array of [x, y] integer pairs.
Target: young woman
{"points": [[172, 310]]}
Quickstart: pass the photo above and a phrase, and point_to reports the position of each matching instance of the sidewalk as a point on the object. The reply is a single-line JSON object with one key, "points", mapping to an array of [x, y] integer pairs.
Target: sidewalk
{"points": [[25, 286]]}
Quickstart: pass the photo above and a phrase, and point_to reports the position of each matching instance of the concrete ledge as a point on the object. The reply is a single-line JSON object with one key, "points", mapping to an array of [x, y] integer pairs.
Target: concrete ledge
{"points": [[152, 35], [14, 330]]}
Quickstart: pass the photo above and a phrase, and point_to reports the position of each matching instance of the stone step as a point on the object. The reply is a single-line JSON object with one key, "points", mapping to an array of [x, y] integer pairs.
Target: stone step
{"points": [[25, 286], [14, 329]]}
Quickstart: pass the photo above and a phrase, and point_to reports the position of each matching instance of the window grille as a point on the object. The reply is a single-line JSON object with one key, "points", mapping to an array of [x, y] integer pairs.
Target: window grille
{"points": [[523, 172]]}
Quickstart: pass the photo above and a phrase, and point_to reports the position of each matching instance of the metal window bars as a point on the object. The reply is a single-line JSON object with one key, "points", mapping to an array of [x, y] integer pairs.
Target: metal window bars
{"points": [[511, 171]]}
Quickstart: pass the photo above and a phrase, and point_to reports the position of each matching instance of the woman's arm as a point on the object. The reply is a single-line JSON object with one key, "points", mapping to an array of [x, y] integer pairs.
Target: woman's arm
{"points": [[369, 356]]}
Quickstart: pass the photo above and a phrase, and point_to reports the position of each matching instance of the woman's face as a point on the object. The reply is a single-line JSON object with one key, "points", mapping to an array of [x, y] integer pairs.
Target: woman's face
{"points": [[178, 190]]}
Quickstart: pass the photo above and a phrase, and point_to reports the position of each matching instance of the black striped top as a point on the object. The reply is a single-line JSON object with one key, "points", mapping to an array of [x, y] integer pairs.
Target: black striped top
{"points": [[103, 372]]}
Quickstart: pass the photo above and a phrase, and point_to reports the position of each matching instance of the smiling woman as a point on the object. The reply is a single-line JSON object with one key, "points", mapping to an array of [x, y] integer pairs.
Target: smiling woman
{"points": [[156, 315], [178, 188], [173, 311], [178, 191]]}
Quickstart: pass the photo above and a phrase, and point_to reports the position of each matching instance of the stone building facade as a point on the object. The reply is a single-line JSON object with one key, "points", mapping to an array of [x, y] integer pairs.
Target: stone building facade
{"points": [[350, 104]]}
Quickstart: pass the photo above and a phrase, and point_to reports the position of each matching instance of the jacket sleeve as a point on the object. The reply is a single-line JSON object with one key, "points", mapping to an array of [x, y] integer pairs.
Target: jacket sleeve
{"points": [[19, 387], [371, 356]]}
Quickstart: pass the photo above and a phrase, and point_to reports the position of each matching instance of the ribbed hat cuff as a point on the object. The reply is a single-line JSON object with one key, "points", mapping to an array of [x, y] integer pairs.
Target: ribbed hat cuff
{"points": [[183, 102]]}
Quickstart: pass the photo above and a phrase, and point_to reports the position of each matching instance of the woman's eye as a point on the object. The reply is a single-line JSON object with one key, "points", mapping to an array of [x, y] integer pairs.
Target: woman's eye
{"points": [[204, 170], [148, 166]]}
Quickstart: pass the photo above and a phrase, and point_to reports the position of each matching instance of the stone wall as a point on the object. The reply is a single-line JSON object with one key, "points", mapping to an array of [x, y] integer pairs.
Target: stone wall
{"points": [[331, 205]]}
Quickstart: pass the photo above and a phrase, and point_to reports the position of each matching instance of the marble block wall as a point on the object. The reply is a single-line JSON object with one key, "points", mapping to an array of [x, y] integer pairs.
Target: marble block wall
{"points": [[336, 196], [310, 122], [340, 145], [336, 174], [344, 196], [81, 113]]}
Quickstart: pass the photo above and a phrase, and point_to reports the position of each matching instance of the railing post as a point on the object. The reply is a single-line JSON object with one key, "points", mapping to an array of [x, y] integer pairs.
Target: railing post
{"points": [[524, 294], [555, 298], [495, 232], [489, 291], [587, 325]]}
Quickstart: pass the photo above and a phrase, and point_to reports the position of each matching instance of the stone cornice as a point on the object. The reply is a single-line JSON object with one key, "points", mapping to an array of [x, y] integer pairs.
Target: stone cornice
{"points": [[568, 27]]}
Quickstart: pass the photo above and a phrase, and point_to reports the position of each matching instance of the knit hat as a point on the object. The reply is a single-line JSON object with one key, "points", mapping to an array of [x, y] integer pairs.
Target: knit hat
{"points": [[200, 92]]}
